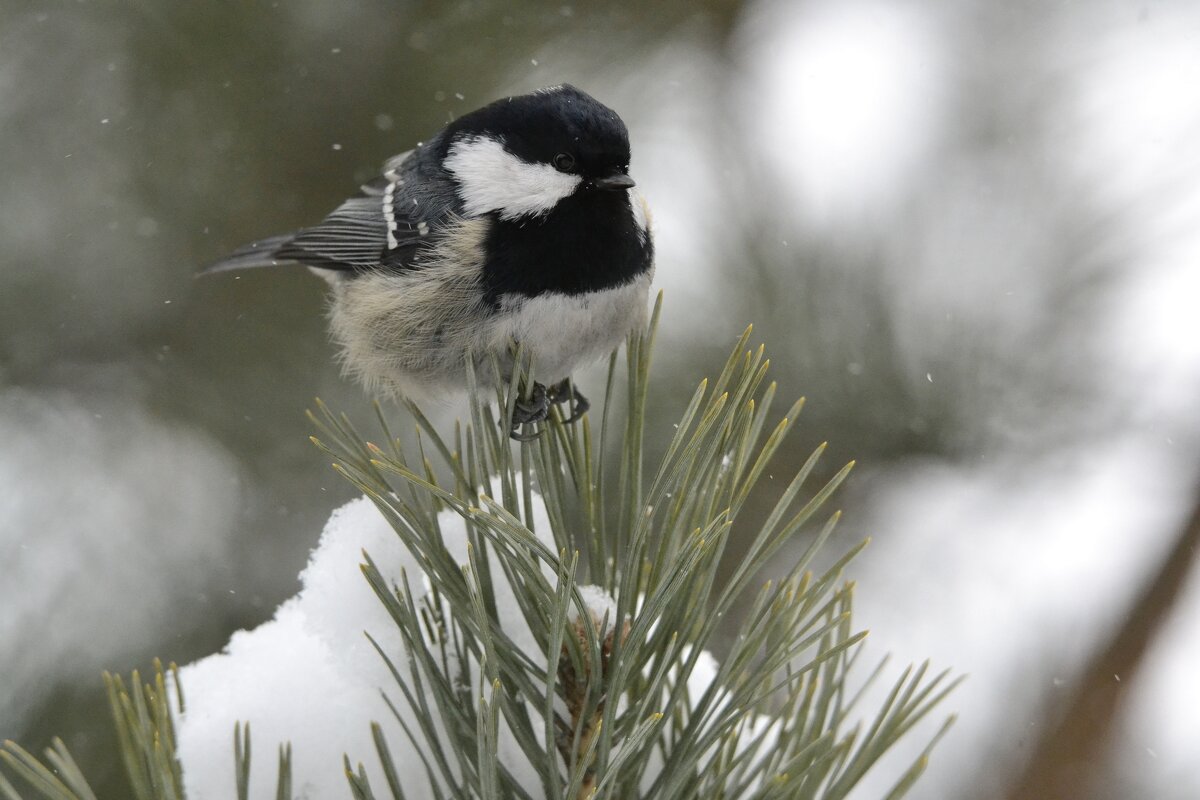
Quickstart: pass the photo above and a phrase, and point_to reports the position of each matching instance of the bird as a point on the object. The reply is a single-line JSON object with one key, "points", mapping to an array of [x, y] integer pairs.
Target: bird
{"points": [[516, 226]]}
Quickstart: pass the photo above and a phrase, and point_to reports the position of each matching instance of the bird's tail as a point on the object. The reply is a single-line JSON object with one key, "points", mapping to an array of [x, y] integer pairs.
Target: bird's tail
{"points": [[263, 253]]}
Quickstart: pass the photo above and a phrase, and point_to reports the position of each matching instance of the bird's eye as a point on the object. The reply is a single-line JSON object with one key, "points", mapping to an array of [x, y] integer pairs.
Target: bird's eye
{"points": [[564, 162]]}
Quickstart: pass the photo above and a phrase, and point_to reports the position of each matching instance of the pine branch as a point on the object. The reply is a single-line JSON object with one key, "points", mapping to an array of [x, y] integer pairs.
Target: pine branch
{"points": [[580, 626]]}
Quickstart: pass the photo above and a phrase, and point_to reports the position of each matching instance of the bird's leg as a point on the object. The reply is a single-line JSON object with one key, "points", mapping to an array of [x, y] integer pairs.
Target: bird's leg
{"points": [[534, 408], [565, 392]]}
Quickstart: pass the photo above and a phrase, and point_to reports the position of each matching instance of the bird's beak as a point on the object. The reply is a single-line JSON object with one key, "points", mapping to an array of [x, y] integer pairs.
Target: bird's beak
{"points": [[613, 182]]}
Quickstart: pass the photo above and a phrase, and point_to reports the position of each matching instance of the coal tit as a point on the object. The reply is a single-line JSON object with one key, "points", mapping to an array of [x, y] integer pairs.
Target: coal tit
{"points": [[516, 224]]}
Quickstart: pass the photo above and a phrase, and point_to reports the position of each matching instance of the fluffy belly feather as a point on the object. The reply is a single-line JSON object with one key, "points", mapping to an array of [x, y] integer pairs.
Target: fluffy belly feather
{"points": [[408, 334], [563, 332]]}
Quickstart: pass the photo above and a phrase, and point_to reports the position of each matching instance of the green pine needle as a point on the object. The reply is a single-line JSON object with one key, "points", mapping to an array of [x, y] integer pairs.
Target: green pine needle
{"points": [[601, 707]]}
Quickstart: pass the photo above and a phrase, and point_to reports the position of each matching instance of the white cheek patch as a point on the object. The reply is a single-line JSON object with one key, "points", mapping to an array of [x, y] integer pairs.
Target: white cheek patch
{"points": [[492, 179]]}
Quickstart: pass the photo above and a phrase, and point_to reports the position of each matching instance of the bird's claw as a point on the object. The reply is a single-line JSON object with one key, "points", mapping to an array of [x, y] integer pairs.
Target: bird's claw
{"points": [[535, 408], [565, 392]]}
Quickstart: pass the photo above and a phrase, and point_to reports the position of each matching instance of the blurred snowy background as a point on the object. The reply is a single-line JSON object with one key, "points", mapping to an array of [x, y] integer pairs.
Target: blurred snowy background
{"points": [[969, 232]]}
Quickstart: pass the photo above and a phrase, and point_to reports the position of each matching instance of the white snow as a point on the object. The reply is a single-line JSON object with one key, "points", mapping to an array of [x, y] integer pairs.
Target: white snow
{"points": [[600, 605], [310, 677]]}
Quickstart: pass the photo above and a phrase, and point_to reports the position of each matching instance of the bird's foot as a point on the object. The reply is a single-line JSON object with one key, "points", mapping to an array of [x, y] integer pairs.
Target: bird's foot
{"points": [[527, 410], [565, 392]]}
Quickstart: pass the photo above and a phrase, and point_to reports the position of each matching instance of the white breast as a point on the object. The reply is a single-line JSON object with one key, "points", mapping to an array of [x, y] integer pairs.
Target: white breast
{"points": [[564, 333]]}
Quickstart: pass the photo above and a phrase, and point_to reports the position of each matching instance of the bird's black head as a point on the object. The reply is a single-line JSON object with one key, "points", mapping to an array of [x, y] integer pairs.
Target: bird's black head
{"points": [[550, 170], [522, 156], [560, 126]]}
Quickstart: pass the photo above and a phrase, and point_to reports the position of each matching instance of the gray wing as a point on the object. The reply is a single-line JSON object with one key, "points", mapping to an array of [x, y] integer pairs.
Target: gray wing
{"points": [[384, 226]]}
